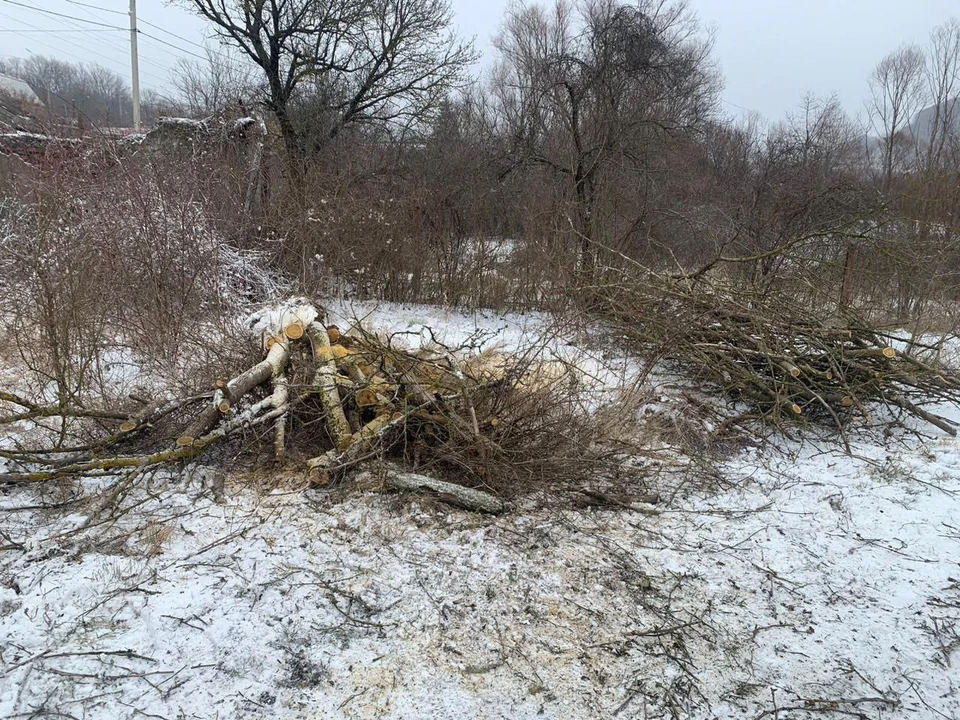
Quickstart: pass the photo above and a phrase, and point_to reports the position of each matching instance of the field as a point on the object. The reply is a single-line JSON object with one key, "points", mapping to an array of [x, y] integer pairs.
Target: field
{"points": [[786, 580]]}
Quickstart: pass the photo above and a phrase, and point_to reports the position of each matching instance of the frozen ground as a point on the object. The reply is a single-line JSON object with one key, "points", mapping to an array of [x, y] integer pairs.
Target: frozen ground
{"points": [[783, 583]]}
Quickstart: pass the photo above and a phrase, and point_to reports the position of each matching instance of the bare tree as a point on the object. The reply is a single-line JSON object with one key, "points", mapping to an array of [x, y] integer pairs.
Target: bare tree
{"points": [[583, 87], [359, 61], [86, 91], [155, 104], [108, 94], [897, 94], [54, 80], [822, 160], [206, 86], [943, 81], [820, 136]]}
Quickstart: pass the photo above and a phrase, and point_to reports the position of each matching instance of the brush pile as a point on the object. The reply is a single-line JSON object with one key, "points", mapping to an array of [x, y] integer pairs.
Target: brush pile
{"points": [[329, 403], [774, 358]]}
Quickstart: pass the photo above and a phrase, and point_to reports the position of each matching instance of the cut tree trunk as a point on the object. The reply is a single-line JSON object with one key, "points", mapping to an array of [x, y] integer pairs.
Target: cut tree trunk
{"points": [[280, 398], [849, 272], [467, 498], [325, 382], [357, 447], [272, 365]]}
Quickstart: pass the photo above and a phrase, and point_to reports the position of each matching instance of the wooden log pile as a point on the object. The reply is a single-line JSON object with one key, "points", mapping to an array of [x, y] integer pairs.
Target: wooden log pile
{"points": [[347, 397], [40, 150]]}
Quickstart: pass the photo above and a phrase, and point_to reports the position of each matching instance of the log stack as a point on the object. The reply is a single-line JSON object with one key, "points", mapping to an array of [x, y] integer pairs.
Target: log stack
{"points": [[362, 392]]}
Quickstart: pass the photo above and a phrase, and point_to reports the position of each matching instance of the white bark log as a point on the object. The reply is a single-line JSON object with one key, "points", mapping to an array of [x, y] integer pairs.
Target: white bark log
{"points": [[467, 498], [272, 365], [358, 445], [325, 381], [281, 394]]}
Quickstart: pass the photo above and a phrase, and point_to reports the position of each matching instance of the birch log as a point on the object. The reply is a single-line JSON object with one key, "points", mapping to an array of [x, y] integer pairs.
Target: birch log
{"points": [[281, 395], [272, 365], [325, 382], [467, 498], [358, 446]]}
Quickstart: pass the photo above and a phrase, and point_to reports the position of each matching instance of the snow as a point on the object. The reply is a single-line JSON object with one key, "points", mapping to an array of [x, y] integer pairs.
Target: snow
{"points": [[414, 327], [182, 123], [790, 575], [21, 140], [241, 125], [272, 319], [23, 135]]}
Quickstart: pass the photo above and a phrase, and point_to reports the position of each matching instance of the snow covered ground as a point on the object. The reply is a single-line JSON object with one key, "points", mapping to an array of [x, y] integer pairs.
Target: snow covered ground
{"points": [[786, 582]]}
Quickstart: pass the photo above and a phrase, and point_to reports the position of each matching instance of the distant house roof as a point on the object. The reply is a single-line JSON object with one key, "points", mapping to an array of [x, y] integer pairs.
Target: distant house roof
{"points": [[19, 88]]}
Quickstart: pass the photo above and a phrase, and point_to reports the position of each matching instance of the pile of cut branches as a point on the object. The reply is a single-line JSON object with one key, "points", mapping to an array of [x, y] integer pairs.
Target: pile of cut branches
{"points": [[328, 403], [781, 362]]}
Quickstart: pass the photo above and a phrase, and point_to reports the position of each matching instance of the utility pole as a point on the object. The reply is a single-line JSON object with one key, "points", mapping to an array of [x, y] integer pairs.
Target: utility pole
{"points": [[134, 66]]}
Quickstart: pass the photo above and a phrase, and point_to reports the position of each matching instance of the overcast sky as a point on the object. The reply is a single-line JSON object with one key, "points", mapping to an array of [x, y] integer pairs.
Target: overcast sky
{"points": [[771, 51]]}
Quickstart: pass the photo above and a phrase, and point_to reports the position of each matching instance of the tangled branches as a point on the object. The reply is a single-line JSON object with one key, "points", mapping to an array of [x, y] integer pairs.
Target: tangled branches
{"points": [[775, 357], [328, 403]]}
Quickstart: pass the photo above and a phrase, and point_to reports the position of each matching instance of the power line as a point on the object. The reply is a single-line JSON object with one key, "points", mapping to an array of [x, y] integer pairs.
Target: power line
{"points": [[159, 49], [87, 50], [60, 50], [153, 46], [223, 56], [141, 21], [96, 7], [62, 30], [741, 107], [124, 50], [52, 47], [164, 30], [164, 42], [111, 60], [56, 14], [114, 28]]}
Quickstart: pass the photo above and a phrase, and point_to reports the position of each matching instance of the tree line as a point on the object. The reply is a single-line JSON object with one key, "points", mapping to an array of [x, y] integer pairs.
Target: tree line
{"points": [[85, 95], [595, 139]]}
